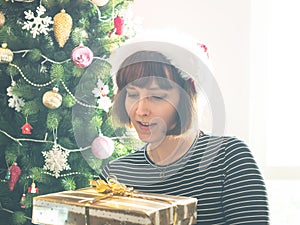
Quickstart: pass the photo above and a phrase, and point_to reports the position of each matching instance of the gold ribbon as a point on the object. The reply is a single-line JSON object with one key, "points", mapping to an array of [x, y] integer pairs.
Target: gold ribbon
{"points": [[110, 188], [113, 188]]}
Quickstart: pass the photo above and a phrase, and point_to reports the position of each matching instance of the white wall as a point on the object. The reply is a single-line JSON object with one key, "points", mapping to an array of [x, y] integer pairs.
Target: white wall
{"points": [[274, 84], [224, 27], [249, 41]]}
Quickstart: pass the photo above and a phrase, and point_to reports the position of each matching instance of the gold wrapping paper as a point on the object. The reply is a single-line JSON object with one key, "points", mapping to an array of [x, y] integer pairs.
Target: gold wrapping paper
{"points": [[79, 207]]}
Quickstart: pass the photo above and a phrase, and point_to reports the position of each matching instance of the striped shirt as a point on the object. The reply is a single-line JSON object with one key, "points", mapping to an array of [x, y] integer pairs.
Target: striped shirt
{"points": [[219, 171]]}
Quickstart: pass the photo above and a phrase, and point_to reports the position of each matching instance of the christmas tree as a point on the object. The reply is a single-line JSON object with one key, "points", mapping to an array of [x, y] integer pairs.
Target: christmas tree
{"points": [[56, 91]]}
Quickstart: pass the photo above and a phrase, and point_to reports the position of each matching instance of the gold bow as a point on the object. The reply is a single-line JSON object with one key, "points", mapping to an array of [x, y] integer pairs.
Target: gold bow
{"points": [[110, 188]]}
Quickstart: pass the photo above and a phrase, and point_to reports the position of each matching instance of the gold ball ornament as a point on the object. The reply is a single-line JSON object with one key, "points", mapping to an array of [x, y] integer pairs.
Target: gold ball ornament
{"points": [[100, 2], [52, 99], [2, 19], [62, 26], [6, 55]]}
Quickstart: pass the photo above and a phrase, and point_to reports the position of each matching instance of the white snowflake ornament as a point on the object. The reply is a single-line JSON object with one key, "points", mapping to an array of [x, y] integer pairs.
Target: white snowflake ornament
{"points": [[56, 160], [14, 101], [37, 24]]}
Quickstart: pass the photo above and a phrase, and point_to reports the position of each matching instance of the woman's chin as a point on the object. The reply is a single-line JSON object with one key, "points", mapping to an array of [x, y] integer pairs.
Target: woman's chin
{"points": [[151, 139]]}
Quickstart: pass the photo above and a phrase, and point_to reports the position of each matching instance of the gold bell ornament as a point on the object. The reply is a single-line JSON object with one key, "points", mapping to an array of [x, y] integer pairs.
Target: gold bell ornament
{"points": [[2, 19], [6, 55], [52, 99], [62, 26]]}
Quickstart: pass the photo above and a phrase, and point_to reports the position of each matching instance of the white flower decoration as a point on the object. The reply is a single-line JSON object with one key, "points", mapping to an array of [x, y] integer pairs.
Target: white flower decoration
{"points": [[104, 103], [101, 92]]}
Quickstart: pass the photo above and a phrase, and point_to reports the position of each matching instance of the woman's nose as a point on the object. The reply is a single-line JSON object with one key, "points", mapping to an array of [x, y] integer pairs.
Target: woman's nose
{"points": [[142, 107]]}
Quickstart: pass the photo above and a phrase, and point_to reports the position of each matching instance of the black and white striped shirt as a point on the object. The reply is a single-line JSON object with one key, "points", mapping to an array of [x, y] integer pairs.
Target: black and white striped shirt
{"points": [[219, 171]]}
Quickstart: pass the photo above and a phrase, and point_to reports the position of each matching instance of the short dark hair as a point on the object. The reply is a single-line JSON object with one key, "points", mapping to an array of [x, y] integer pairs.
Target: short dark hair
{"points": [[154, 65]]}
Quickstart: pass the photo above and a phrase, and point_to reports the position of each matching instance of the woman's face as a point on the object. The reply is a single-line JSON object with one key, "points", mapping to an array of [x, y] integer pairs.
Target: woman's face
{"points": [[152, 110]]}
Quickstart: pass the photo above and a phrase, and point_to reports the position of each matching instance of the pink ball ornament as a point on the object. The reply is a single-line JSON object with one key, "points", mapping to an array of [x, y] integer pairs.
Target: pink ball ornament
{"points": [[82, 56], [102, 147]]}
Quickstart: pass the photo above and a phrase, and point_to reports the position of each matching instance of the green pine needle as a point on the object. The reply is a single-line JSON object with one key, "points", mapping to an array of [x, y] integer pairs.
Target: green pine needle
{"points": [[57, 72], [12, 71], [19, 218], [68, 101], [53, 120], [34, 55], [30, 108], [68, 183]]}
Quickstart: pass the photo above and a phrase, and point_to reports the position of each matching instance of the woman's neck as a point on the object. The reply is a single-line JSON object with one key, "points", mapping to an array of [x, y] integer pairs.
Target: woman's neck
{"points": [[170, 149]]}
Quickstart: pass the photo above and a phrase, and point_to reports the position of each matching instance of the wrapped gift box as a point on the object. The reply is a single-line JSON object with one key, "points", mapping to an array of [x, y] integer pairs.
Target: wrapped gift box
{"points": [[75, 207]]}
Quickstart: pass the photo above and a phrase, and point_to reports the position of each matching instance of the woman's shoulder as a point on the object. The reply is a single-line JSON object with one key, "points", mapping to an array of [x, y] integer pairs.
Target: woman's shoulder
{"points": [[225, 145], [229, 151], [226, 141]]}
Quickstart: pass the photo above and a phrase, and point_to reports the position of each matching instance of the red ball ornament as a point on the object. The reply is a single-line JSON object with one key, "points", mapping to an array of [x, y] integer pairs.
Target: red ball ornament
{"points": [[82, 56], [102, 147], [14, 177]]}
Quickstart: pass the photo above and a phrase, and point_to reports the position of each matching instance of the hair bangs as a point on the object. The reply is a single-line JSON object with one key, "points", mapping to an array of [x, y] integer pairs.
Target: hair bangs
{"points": [[143, 74]]}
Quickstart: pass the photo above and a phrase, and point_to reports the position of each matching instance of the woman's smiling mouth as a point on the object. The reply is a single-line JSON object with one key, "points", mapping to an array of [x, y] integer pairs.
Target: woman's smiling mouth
{"points": [[145, 125]]}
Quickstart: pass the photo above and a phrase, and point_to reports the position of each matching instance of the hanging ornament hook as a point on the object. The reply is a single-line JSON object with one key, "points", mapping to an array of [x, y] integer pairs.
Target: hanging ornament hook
{"points": [[55, 136]]}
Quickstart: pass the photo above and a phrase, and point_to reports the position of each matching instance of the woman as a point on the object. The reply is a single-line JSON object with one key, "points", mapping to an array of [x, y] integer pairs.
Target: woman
{"points": [[157, 88]]}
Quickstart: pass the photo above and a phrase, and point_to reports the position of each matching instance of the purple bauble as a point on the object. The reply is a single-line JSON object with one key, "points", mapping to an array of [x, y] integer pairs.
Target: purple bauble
{"points": [[102, 147], [82, 56]]}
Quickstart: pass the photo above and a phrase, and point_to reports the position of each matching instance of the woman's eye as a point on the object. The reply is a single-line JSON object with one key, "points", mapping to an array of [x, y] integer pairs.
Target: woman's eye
{"points": [[159, 97], [136, 96]]}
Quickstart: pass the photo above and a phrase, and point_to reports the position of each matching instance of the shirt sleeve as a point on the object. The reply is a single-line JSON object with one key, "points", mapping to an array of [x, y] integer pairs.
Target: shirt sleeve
{"points": [[244, 191], [104, 173]]}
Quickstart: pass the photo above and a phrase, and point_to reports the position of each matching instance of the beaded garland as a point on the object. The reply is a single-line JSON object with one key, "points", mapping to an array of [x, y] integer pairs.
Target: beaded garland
{"points": [[28, 81], [49, 83]]}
